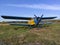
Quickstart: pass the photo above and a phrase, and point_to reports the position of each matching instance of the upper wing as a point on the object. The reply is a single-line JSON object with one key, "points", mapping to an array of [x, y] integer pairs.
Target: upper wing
{"points": [[24, 18], [14, 17], [48, 17]]}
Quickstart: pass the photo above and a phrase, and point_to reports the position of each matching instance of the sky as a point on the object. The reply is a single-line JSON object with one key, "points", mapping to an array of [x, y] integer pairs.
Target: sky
{"points": [[27, 8]]}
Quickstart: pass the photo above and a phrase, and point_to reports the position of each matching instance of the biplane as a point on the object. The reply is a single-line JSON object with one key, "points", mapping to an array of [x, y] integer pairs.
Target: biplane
{"points": [[32, 21]]}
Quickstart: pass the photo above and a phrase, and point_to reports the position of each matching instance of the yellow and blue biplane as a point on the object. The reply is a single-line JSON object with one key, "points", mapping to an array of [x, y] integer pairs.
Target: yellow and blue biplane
{"points": [[32, 21]]}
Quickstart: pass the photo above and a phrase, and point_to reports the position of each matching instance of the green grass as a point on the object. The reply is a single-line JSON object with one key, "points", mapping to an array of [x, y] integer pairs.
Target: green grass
{"points": [[17, 35]]}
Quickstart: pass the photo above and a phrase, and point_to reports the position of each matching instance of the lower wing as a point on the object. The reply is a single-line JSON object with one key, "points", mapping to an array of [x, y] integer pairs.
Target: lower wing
{"points": [[20, 24]]}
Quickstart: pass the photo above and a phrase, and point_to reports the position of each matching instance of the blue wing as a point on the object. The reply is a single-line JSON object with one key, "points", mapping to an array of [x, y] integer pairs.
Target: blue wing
{"points": [[24, 18], [48, 17], [14, 17]]}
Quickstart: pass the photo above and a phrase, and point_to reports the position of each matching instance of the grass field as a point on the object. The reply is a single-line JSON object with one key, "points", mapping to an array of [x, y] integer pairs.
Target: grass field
{"points": [[17, 35]]}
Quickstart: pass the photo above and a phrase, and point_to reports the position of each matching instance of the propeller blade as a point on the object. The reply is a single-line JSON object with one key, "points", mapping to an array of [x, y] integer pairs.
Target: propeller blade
{"points": [[40, 18], [35, 16]]}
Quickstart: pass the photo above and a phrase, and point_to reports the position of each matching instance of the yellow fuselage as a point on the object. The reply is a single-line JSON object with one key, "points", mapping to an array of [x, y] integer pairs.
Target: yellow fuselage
{"points": [[31, 22]]}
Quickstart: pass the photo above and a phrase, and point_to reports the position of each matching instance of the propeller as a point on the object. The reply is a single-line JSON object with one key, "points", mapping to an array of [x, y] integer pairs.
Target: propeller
{"points": [[39, 19]]}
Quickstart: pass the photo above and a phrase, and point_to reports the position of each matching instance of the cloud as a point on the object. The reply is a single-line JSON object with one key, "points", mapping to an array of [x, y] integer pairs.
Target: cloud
{"points": [[37, 6]]}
